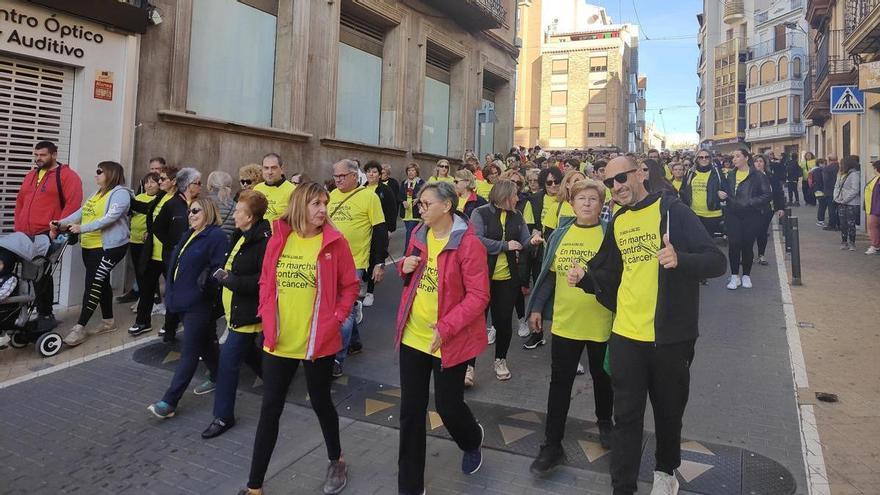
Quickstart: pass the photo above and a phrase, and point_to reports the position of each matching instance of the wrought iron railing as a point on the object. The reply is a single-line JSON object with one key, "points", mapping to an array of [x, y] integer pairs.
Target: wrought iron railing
{"points": [[856, 11], [495, 8], [769, 47], [830, 58]]}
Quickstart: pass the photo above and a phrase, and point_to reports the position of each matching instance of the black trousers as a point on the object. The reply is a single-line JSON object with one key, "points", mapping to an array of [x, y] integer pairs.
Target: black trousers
{"points": [[565, 355], [368, 278], [416, 369], [714, 226], [149, 284], [833, 215], [809, 197], [742, 228], [640, 370], [793, 194], [823, 206], [502, 297], [99, 263], [763, 231], [135, 251], [278, 372]]}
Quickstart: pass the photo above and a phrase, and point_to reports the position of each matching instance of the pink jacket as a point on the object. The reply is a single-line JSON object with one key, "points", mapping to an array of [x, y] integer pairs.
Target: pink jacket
{"points": [[462, 292], [337, 290]]}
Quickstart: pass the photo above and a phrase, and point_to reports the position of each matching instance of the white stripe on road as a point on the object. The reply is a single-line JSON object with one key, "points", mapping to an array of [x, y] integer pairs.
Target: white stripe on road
{"points": [[811, 447], [74, 362]]}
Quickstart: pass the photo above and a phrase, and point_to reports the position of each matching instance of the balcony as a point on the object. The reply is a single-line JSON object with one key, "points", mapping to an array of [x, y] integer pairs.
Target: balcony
{"points": [[782, 131], [792, 41], [473, 15], [833, 66], [778, 9], [778, 88], [862, 27], [734, 11], [818, 12]]}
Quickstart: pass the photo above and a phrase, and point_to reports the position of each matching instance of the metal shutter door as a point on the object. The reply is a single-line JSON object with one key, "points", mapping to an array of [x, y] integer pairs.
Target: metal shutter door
{"points": [[36, 104]]}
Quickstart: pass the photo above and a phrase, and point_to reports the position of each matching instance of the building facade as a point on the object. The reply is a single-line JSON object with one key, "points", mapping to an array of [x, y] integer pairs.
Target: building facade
{"points": [[578, 79], [320, 81]]}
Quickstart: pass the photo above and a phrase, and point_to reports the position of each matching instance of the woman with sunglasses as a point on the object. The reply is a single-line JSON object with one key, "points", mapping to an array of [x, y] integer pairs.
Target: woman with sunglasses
{"points": [[102, 223], [466, 189], [440, 326], [191, 293], [700, 190], [441, 172]]}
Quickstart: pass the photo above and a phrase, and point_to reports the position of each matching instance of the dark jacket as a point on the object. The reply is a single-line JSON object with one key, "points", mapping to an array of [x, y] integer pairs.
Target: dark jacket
{"points": [[715, 184], [472, 204], [829, 178], [395, 188], [486, 221], [793, 171], [537, 202], [244, 274], [752, 195], [191, 285], [678, 292], [147, 209], [776, 188], [170, 224], [402, 196], [388, 198]]}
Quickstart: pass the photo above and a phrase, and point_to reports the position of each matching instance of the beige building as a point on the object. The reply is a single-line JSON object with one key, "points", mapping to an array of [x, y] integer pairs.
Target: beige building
{"points": [[223, 82], [577, 85]]}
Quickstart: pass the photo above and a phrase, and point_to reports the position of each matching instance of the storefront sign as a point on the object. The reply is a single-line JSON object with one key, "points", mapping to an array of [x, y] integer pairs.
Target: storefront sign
{"points": [[47, 33], [104, 85], [869, 77]]}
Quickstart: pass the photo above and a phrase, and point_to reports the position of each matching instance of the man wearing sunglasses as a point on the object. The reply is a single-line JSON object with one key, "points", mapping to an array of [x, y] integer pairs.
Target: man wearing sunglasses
{"points": [[700, 189], [647, 271], [275, 187]]}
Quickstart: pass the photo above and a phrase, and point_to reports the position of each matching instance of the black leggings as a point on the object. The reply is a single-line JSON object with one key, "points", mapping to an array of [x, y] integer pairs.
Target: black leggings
{"points": [[742, 227], [278, 372], [368, 278], [99, 263], [764, 231], [793, 194], [149, 285], [502, 296]]}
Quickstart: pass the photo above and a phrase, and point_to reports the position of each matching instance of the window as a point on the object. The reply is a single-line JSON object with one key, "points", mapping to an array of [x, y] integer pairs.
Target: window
{"points": [[598, 64], [596, 109], [558, 98], [768, 72], [358, 80], [768, 112], [779, 37], [435, 108], [596, 129], [796, 108], [558, 131], [754, 119], [228, 79], [598, 96], [559, 66], [796, 68], [782, 113], [783, 68], [753, 76]]}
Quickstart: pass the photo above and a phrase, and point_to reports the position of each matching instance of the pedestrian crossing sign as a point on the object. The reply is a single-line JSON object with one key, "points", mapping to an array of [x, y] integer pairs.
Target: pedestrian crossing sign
{"points": [[847, 99]]}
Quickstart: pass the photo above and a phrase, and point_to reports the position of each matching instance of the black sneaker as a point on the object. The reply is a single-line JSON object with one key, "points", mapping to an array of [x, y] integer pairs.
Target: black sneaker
{"points": [[355, 348], [139, 328], [169, 337], [471, 460], [217, 428], [337, 369], [534, 341], [606, 427], [130, 296], [548, 458], [46, 323]]}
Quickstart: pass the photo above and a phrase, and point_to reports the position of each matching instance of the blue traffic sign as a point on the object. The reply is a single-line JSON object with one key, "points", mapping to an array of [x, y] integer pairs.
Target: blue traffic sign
{"points": [[847, 99]]}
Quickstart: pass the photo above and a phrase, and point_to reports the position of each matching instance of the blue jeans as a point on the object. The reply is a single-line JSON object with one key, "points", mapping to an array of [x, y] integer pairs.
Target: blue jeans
{"points": [[409, 225], [350, 327], [199, 340], [239, 347]]}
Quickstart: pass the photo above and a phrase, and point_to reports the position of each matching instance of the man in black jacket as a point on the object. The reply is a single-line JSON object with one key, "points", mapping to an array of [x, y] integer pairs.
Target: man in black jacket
{"points": [[647, 271]]}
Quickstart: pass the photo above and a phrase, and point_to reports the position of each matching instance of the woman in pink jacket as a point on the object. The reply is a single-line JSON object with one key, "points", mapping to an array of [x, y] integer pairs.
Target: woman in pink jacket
{"points": [[307, 289], [441, 325]]}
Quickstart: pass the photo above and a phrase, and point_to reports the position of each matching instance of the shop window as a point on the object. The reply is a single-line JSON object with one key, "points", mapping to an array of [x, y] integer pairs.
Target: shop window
{"points": [[228, 79], [359, 80], [768, 72]]}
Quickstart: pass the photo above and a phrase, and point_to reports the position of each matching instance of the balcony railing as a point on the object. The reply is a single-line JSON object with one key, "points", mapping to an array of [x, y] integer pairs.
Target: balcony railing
{"points": [[861, 30], [830, 59], [473, 15], [769, 47], [856, 12], [762, 16]]}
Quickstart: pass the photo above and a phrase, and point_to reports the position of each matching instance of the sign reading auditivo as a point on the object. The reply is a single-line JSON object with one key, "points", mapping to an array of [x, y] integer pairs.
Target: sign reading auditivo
{"points": [[847, 99], [46, 33]]}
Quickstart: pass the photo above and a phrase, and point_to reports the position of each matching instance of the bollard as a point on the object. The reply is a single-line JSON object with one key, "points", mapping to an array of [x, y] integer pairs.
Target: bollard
{"points": [[795, 252], [786, 230]]}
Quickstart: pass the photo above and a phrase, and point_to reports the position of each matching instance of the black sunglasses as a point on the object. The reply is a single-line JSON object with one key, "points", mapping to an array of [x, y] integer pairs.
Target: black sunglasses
{"points": [[246, 182], [703, 157], [620, 178], [195, 211], [99, 171], [550, 182]]}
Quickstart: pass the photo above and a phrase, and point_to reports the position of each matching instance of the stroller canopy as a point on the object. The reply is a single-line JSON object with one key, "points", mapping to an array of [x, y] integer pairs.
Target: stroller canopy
{"points": [[22, 245]]}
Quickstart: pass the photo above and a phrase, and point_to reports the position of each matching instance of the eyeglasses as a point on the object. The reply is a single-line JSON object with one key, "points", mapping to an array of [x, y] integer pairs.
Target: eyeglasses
{"points": [[99, 171], [703, 157], [442, 166], [424, 205], [246, 182], [341, 176], [196, 183], [195, 211], [620, 178], [163, 179], [550, 182]]}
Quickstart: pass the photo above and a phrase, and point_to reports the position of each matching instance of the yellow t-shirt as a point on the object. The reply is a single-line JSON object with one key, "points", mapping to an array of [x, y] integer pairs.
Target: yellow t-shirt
{"points": [[528, 214], [483, 189], [139, 221], [185, 245], [667, 172], [93, 209], [550, 212], [608, 194], [869, 193], [278, 198], [676, 183], [462, 201], [502, 268], [576, 314], [417, 334], [296, 275], [40, 174], [566, 211], [448, 179], [637, 234], [355, 219], [226, 295], [410, 200], [157, 244], [698, 195], [740, 176]]}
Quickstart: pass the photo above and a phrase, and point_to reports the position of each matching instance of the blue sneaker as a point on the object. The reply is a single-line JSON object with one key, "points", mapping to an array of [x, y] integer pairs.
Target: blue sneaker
{"points": [[161, 409], [473, 459]]}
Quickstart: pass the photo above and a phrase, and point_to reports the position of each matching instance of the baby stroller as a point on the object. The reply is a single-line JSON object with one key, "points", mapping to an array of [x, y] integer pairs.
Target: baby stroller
{"points": [[37, 258]]}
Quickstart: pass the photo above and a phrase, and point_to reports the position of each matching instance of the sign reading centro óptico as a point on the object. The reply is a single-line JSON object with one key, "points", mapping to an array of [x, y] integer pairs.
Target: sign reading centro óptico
{"points": [[18, 28]]}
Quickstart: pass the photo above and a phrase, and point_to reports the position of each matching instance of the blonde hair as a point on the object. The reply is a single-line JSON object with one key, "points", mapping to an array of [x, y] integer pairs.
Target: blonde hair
{"points": [[209, 208], [567, 179], [443, 161], [465, 174], [251, 171], [297, 214], [221, 182], [502, 190], [586, 184]]}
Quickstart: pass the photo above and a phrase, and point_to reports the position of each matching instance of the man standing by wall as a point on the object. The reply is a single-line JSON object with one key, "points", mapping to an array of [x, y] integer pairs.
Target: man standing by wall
{"points": [[50, 191], [276, 187]]}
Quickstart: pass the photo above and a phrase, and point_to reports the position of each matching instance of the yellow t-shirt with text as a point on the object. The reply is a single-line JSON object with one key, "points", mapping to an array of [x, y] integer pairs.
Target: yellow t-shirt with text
{"points": [[226, 295], [637, 234], [550, 212], [278, 198], [93, 209], [698, 195], [417, 334], [566, 211], [355, 219]]}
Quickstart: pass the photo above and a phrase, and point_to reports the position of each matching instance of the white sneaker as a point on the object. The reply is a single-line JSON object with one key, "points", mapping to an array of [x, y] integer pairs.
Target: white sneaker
{"points": [[844, 246], [664, 484], [469, 378], [134, 307], [734, 282], [747, 282], [852, 247], [368, 299], [105, 327], [502, 372], [523, 330], [491, 335], [872, 250], [76, 336], [158, 309], [358, 312], [4, 340]]}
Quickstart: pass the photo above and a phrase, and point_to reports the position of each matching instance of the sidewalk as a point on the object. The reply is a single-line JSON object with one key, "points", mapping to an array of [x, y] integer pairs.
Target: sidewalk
{"points": [[836, 309]]}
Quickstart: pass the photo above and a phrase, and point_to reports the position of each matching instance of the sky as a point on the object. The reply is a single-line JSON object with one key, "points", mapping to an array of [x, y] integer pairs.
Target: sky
{"points": [[670, 65]]}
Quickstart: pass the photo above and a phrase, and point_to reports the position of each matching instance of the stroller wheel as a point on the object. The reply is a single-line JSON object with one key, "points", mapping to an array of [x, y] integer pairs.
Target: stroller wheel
{"points": [[18, 340], [49, 344]]}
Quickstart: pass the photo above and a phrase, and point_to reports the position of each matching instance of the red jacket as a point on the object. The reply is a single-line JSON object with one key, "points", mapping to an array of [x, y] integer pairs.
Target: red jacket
{"points": [[337, 291], [38, 204], [462, 292]]}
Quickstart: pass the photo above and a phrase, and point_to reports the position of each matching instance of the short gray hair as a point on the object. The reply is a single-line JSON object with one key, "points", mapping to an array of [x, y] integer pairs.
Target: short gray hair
{"points": [[349, 163], [187, 176], [445, 191]]}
